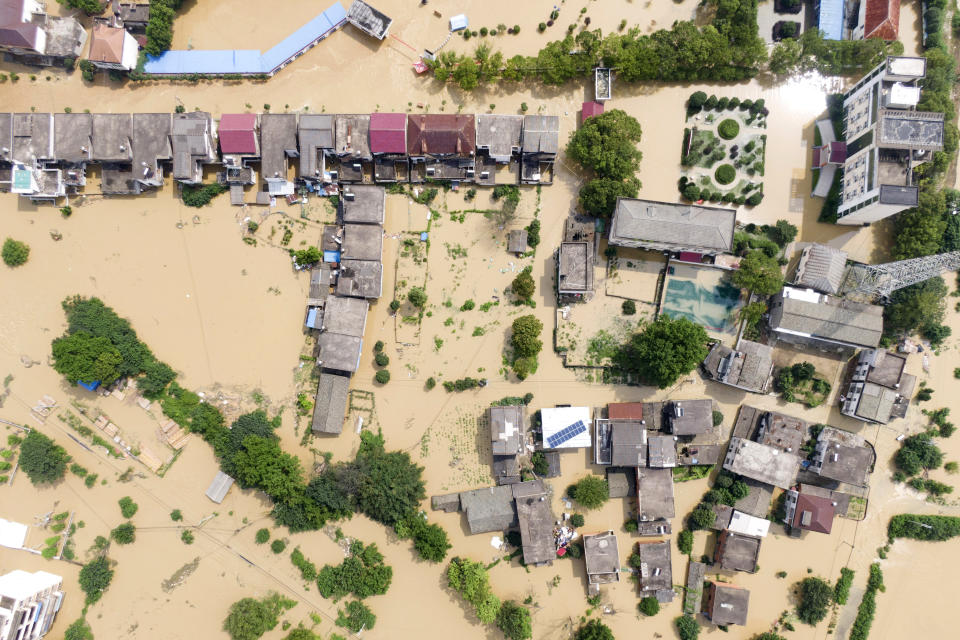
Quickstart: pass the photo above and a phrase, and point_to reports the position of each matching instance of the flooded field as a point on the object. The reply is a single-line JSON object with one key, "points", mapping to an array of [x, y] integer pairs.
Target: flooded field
{"points": [[228, 317]]}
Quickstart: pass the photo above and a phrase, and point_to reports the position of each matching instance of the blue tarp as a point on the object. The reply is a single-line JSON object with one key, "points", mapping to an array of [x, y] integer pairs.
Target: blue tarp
{"points": [[246, 61], [89, 386], [331, 256], [830, 20], [312, 318]]}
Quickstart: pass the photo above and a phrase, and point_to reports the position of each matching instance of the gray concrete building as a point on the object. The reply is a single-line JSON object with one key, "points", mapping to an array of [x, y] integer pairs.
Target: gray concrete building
{"points": [[810, 319], [664, 226], [761, 462]]}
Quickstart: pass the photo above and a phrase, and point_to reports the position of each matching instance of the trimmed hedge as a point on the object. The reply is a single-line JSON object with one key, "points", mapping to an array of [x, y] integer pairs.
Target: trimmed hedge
{"points": [[728, 129], [725, 174]]}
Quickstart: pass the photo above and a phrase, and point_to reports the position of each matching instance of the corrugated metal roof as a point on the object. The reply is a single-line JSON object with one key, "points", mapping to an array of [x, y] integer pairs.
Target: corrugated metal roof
{"points": [[830, 19]]}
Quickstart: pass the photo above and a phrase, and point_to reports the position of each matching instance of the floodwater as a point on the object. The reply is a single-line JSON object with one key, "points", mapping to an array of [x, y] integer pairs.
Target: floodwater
{"points": [[228, 316]]}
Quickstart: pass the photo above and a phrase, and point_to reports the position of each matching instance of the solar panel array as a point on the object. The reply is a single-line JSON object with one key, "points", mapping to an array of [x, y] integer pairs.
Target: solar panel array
{"points": [[566, 433]]}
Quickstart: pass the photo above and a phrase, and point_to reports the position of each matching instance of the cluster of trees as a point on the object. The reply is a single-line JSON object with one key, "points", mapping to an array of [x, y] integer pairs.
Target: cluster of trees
{"points": [[727, 489], [526, 343], [200, 196], [356, 617], [99, 345], [606, 145], [590, 492], [687, 627], [471, 581], [89, 7], [727, 50], [811, 52], [841, 590], [160, 25], [799, 381], [593, 629], [249, 618], [42, 459], [664, 350], [918, 527], [95, 577], [868, 605], [759, 274], [362, 573], [917, 453], [14, 252]]}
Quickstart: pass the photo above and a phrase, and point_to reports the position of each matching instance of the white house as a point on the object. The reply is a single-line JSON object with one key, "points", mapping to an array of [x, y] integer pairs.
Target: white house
{"points": [[28, 603]]}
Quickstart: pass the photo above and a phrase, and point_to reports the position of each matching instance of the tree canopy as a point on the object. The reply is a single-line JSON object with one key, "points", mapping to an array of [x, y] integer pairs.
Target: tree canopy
{"points": [[915, 307], [916, 453], [665, 350], [356, 617], [363, 574], [523, 286], [599, 196], [389, 485], [594, 630], [526, 336], [81, 357], [607, 144], [14, 252], [816, 595], [687, 627], [42, 459], [514, 621], [758, 273], [471, 581], [95, 577], [250, 618], [590, 492]]}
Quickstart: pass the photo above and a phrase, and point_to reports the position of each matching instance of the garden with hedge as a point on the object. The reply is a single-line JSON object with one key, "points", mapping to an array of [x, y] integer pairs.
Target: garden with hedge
{"points": [[723, 154]]}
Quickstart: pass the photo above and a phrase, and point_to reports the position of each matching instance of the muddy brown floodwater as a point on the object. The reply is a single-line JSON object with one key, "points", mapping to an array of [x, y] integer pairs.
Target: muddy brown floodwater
{"points": [[228, 316]]}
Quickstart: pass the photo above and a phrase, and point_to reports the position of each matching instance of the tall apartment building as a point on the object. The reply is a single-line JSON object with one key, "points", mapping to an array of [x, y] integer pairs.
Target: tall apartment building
{"points": [[28, 604], [884, 139]]}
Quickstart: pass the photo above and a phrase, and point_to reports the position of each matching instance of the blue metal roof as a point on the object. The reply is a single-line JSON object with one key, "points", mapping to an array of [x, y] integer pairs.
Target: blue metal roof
{"points": [[246, 61], [830, 20], [89, 386]]}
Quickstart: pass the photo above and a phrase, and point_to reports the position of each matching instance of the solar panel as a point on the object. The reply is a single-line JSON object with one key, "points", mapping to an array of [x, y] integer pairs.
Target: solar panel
{"points": [[566, 433]]}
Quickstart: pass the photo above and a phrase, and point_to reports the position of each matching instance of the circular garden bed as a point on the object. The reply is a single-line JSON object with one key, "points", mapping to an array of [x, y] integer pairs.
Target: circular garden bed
{"points": [[725, 174], [728, 129]]}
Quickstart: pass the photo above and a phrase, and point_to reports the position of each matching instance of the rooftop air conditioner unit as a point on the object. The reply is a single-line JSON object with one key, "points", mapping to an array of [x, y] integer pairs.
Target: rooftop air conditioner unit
{"points": [[484, 175], [430, 171], [356, 166], [349, 195]]}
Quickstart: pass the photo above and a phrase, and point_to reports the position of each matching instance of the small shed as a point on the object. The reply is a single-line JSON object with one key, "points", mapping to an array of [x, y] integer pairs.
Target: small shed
{"points": [[218, 489], [459, 22], [590, 109], [517, 241]]}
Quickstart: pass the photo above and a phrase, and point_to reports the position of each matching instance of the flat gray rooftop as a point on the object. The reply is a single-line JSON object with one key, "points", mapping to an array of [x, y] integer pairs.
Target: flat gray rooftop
{"points": [[782, 431], [345, 315], [112, 137], [761, 462], [278, 138], [32, 137], [362, 242], [697, 416], [575, 272], [6, 137], [541, 135], [340, 352], [535, 518], [360, 278], [737, 552], [353, 136], [657, 225], [489, 509], [655, 494], [730, 604], [499, 134], [151, 138], [506, 429], [602, 558], [656, 569], [72, 137], [365, 206], [661, 451]]}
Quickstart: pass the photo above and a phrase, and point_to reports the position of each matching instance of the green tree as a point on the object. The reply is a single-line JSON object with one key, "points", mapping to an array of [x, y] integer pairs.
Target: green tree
{"points": [[526, 336], [389, 485], [362, 574], [92, 316], [307, 257], [916, 453], [263, 536], [523, 286], [785, 57], [14, 252], [261, 463], [607, 145], [89, 7], [78, 630], [430, 540], [249, 619], [702, 517], [128, 507], [758, 273], [815, 599], [665, 350], [278, 546], [81, 357], [769, 635], [915, 307], [599, 196], [356, 617], [649, 606], [595, 630], [417, 297], [95, 577], [919, 232], [43, 460], [841, 590], [300, 633], [156, 376], [591, 492], [514, 621], [687, 627], [125, 533]]}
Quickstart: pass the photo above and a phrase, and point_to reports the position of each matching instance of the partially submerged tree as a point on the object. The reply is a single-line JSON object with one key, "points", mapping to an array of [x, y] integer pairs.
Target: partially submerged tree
{"points": [[758, 273], [42, 459], [665, 350]]}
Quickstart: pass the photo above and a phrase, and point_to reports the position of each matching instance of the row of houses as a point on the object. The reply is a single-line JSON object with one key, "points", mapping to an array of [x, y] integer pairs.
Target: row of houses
{"points": [[44, 156], [349, 275]]}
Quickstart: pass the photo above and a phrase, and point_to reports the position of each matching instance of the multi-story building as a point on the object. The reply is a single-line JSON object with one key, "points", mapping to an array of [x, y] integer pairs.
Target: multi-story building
{"points": [[28, 603], [884, 139]]}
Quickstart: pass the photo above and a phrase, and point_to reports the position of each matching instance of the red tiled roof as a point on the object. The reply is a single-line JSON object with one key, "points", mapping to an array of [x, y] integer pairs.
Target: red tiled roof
{"points": [[881, 19], [238, 133], [13, 32], [590, 109], [625, 411], [388, 133], [106, 44], [441, 134], [820, 512]]}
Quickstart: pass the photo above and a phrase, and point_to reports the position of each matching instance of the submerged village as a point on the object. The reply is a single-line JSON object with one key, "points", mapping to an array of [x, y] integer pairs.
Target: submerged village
{"points": [[627, 319]]}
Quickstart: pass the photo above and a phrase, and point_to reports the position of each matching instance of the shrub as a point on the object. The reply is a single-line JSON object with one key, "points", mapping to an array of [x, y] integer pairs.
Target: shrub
{"points": [[687, 628], [685, 542], [356, 617], [378, 346], [201, 195], [78, 630], [717, 418], [629, 307], [382, 376], [394, 305], [696, 101], [417, 297], [95, 577], [540, 464], [14, 252], [691, 192], [468, 305], [754, 199], [186, 537], [381, 359], [649, 606], [128, 507], [728, 129], [590, 492], [277, 546], [514, 621], [43, 460], [631, 526], [702, 517], [125, 533], [263, 536], [921, 527], [576, 520], [593, 630], [725, 174], [248, 619], [841, 591], [431, 383]]}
